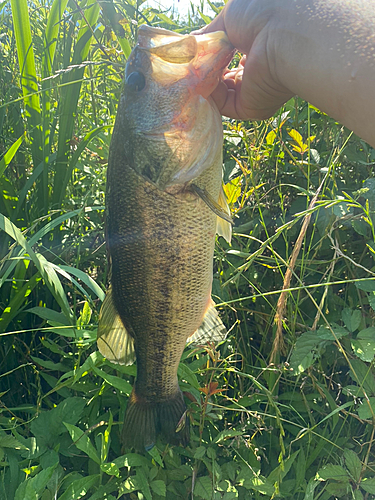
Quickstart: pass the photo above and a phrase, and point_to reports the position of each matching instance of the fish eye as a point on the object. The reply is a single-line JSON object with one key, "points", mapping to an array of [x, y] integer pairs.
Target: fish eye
{"points": [[136, 81]]}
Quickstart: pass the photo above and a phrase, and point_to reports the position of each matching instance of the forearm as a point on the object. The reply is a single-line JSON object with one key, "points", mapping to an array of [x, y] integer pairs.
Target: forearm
{"points": [[328, 59]]}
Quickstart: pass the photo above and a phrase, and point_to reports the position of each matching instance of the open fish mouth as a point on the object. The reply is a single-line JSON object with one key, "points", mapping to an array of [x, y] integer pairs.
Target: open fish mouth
{"points": [[173, 57]]}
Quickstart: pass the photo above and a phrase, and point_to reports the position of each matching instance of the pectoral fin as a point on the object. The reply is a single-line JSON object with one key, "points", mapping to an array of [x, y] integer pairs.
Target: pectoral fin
{"points": [[223, 227], [212, 328], [220, 208], [211, 203], [114, 342]]}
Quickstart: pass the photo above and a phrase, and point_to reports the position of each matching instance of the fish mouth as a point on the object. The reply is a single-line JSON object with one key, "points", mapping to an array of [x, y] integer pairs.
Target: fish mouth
{"points": [[200, 58]]}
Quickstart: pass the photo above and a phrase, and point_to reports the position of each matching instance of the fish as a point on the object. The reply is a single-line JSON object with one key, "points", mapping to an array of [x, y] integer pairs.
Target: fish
{"points": [[164, 206]]}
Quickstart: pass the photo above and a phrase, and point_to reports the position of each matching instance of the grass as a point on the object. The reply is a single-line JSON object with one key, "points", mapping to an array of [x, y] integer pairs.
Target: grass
{"points": [[293, 422]]}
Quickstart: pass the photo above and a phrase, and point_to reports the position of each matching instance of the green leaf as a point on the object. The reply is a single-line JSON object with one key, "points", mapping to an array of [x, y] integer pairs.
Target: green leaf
{"points": [[78, 488], [159, 487], [53, 317], [41, 480], [368, 484], [185, 373], [154, 453], [357, 495], [364, 344], [44, 267], [227, 434], [49, 424], [205, 18], [282, 470], [103, 492], [310, 489], [339, 489], [363, 375], [325, 332], [371, 300], [203, 488], [132, 460], [7, 158], [361, 227], [106, 439], [367, 333], [9, 441], [32, 488], [70, 93], [352, 319], [232, 190], [15, 306], [85, 316], [26, 491], [270, 137], [166, 19], [142, 483], [305, 351], [331, 471], [111, 469], [367, 409], [261, 484], [297, 137], [128, 486], [366, 285], [370, 185], [82, 442], [30, 88], [117, 382], [50, 365], [200, 452], [342, 209], [50, 35], [353, 464]]}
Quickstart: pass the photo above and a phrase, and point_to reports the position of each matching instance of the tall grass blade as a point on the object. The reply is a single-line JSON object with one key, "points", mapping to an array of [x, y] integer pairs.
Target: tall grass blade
{"points": [[44, 267], [109, 11], [14, 307], [50, 42], [69, 98], [29, 84], [7, 158]]}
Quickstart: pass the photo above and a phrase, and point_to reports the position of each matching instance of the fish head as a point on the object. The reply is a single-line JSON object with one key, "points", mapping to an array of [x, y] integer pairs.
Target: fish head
{"points": [[166, 110]]}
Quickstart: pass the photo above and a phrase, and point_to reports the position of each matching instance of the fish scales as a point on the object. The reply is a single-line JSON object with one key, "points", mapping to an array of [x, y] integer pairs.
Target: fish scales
{"points": [[159, 293], [160, 232]]}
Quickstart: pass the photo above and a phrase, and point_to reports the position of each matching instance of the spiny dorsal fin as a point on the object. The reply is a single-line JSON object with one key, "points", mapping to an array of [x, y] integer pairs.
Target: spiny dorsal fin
{"points": [[114, 342], [211, 329]]}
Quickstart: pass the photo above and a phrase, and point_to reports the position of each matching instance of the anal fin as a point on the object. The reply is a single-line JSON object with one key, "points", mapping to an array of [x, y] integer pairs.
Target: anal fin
{"points": [[114, 342], [212, 328]]}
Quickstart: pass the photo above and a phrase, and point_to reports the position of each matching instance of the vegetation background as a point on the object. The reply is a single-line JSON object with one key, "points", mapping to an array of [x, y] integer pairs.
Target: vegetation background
{"points": [[296, 421]]}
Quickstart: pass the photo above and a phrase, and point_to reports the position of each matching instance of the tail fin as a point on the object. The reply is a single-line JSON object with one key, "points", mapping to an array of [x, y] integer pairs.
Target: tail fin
{"points": [[144, 421]]}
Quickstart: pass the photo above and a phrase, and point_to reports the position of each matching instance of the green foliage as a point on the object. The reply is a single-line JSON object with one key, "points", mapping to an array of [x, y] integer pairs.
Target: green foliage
{"points": [[299, 427]]}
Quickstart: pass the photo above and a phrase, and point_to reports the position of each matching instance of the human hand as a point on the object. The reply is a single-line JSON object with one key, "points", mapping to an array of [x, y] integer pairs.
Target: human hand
{"points": [[320, 50], [252, 90]]}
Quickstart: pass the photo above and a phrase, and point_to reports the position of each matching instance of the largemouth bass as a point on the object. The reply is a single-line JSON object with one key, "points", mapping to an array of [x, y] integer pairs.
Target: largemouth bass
{"points": [[164, 206]]}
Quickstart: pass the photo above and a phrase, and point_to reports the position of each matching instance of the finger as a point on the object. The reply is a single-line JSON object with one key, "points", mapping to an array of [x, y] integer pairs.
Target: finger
{"points": [[258, 95]]}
